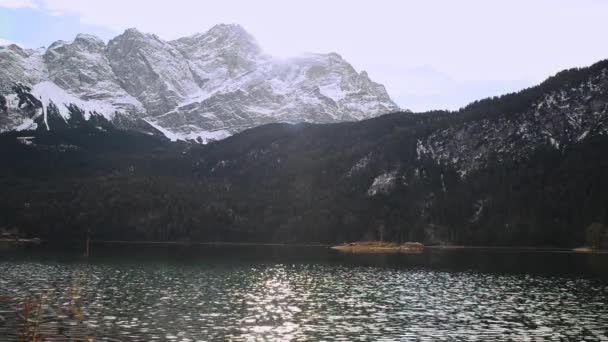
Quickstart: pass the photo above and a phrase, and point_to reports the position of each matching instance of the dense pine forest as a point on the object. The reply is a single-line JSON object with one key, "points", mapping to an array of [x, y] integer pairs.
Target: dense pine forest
{"points": [[305, 183]]}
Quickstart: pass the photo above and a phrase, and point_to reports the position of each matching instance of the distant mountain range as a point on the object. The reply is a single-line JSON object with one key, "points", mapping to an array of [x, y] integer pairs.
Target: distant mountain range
{"points": [[207, 86], [528, 168]]}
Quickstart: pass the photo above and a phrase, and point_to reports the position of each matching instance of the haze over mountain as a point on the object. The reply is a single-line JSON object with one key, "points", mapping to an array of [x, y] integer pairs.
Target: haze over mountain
{"points": [[208, 85], [472, 51]]}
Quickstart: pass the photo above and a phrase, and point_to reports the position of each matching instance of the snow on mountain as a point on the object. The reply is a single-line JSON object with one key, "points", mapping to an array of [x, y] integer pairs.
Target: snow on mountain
{"points": [[21, 65], [206, 86], [48, 92], [82, 69], [151, 70], [559, 118]]}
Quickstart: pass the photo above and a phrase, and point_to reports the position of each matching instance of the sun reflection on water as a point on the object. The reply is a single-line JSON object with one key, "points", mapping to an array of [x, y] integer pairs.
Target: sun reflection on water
{"points": [[312, 302]]}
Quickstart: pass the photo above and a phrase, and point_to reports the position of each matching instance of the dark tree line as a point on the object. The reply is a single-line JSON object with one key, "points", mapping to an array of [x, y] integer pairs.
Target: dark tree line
{"points": [[295, 183], [286, 183]]}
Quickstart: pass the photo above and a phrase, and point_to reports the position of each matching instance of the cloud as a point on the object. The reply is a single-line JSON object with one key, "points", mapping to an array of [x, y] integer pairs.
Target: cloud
{"points": [[14, 4], [470, 41], [7, 42], [473, 39], [425, 88]]}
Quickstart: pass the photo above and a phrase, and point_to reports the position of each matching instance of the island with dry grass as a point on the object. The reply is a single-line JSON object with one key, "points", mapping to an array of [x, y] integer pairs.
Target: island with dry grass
{"points": [[380, 247]]}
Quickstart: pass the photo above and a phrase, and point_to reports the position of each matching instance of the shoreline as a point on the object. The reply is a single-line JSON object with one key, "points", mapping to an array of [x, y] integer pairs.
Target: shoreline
{"points": [[435, 247], [182, 243], [34, 240], [579, 250]]}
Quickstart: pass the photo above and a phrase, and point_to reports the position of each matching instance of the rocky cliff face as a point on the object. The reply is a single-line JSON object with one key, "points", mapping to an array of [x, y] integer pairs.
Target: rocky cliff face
{"points": [[558, 118], [205, 86], [82, 68]]}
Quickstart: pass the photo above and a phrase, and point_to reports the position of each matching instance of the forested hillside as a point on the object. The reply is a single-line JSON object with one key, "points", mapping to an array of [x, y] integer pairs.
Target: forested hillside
{"points": [[523, 169]]}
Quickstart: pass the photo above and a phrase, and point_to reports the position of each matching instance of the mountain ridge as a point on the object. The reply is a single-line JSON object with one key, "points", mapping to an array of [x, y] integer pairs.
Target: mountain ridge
{"points": [[527, 168], [215, 83]]}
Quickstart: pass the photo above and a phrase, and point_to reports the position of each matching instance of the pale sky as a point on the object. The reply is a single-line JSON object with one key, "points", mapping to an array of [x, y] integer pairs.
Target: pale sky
{"points": [[430, 54]]}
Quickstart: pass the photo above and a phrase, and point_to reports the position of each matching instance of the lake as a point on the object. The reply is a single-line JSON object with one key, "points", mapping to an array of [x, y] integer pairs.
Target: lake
{"points": [[205, 293]]}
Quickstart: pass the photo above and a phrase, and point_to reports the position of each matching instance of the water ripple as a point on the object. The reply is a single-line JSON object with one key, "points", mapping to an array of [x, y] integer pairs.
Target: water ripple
{"points": [[300, 302]]}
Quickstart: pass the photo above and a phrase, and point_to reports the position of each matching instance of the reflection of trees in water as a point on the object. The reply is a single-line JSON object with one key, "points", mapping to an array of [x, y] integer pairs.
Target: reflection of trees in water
{"points": [[597, 264], [597, 236]]}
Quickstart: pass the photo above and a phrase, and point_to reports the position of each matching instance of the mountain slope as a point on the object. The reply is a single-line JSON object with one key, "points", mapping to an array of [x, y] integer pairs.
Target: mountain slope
{"points": [[524, 169], [562, 111], [207, 85], [81, 68]]}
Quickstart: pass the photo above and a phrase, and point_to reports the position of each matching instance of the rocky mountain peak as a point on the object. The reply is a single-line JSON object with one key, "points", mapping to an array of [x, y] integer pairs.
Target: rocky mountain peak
{"points": [[82, 43], [15, 49], [89, 41], [131, 32], [134, 37], [229, 39], [228, 30], [210, 84]]}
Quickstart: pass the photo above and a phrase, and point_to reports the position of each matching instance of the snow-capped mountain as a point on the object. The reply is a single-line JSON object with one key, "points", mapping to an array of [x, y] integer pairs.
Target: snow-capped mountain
{"points": [[205, 86]]}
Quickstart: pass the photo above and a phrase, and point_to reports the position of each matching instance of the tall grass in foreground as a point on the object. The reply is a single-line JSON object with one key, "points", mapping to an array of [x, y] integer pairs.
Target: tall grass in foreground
{"points": [[37, 321]]}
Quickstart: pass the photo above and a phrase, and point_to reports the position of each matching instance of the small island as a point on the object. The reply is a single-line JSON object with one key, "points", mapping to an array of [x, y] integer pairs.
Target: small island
{"points": [[380, 247]]}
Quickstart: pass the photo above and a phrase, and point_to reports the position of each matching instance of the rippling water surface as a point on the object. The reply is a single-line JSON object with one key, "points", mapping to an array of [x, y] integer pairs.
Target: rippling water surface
{"points": [[265, 293]]}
